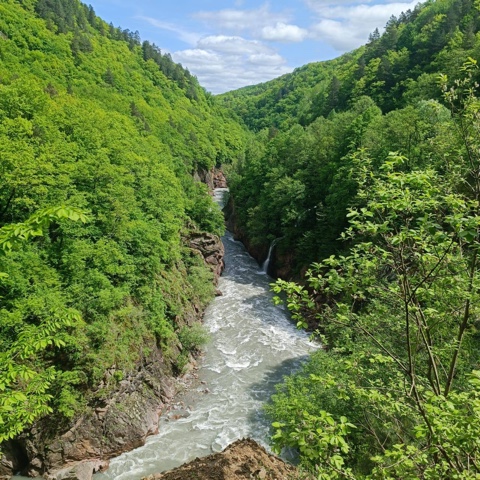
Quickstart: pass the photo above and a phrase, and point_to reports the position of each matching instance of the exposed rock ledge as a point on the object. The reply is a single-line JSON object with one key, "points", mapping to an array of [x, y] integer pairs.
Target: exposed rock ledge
{"points": [[242, 460], [122, 422], [213, 178], [211, 248]]}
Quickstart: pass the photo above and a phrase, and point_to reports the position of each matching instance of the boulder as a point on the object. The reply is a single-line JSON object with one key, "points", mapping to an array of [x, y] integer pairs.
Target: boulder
{"points": [[242, 460], [80, 471], [213, 178]]}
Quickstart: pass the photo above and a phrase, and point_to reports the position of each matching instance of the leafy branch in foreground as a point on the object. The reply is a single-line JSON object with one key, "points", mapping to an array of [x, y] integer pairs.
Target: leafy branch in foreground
{"points": [[24, 381]]}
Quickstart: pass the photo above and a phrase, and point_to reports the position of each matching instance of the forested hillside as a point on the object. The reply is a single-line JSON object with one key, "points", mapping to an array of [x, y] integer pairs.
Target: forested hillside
{"points": [[383, 97], [365, 170], [395, 69], [100, 137]]}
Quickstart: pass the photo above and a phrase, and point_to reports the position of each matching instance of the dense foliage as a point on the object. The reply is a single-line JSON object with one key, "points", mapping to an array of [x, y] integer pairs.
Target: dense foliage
{"points": [[395, 69], [293, 184], [366, 168], [394, 395], [99, 127]]}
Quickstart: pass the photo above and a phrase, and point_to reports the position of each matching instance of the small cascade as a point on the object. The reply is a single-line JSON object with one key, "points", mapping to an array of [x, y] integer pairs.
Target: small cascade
{"points": [[266, 263]]}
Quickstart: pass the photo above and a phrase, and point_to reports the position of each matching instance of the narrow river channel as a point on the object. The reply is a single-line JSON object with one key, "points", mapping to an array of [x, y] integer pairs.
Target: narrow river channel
{"points": [[253, 345]]}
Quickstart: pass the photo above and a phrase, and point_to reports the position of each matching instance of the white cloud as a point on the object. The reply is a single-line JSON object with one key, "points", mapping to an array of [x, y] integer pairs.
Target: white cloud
{"points": [[347, 26], [226, 63], [265, 59], [363, 12], [232, 44], [338, 35], [232, 20], [318, 4], [259, 22], [240, 61], [282, 32], [237, 51], [197, 56]]}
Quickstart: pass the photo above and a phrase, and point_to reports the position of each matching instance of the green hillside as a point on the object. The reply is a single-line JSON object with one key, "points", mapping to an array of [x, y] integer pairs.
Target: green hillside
{"points": [[395, 69], [366, 171], [100, 136]]}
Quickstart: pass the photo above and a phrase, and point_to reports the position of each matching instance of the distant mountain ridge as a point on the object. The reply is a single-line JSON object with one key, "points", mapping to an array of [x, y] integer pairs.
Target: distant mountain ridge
{"points": [[394, 69]]}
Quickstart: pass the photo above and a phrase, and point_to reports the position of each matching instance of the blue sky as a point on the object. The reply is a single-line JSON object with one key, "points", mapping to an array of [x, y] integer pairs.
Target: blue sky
{"points": [[228, 44]]}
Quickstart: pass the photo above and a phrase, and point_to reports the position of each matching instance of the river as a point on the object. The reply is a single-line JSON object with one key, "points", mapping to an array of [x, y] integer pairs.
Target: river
{"points": [[253, 345]]}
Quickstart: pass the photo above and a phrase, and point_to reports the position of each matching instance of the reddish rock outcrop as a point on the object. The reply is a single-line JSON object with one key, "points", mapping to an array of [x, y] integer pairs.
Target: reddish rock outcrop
{"points": [[219, 180], [213, 178]]}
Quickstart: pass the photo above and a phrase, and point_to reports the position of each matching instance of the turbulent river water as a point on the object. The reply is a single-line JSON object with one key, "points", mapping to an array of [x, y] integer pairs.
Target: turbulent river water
{"points": [[253, 345]]}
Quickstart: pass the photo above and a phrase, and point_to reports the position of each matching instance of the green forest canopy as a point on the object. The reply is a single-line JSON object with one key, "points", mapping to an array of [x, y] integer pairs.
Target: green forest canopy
{"points": [[96, 126]]}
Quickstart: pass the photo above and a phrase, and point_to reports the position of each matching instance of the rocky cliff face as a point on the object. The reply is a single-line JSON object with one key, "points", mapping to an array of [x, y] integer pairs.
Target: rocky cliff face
{"points": [[212, 178], [219, 180], [122, 421], [210, 247]]}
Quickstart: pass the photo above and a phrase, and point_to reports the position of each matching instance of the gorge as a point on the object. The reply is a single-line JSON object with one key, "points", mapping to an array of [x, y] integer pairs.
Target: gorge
{"points": [[357, 178], [253, 345]]}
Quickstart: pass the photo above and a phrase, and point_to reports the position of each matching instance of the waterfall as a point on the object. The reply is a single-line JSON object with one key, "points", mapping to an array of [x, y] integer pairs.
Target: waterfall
{"points": [[266, 263]]}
